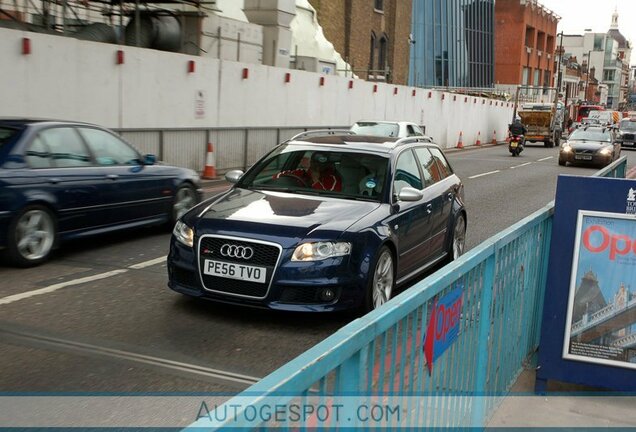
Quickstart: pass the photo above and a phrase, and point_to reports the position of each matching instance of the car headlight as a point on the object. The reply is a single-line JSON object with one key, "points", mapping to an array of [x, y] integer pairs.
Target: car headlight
{"points": [[605, 151], [183, 233], [320, 251], [566, 148]]}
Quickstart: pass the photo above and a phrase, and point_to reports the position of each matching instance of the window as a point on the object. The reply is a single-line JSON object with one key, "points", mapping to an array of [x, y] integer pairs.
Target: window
{"points": [[38, 156], [541, 41], [530, 37], [407, 173], [7, 134], [535, 81], [525, 76], [108, 149], [442, 163], [378, 5], [66, 147], [429, 169], [382, 59]]}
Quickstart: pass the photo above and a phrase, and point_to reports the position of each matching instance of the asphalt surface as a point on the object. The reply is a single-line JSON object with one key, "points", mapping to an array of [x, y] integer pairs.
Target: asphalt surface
{"points": [[98, 317]]}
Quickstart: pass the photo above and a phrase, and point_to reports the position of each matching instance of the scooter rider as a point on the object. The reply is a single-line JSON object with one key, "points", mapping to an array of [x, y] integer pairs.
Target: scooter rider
{"points": [[517, 128]]}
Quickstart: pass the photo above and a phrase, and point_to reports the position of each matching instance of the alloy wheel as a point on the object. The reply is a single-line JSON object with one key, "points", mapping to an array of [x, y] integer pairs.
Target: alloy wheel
{"points": [[459, 237], [183, 201], [35, 234], [383, 279]]}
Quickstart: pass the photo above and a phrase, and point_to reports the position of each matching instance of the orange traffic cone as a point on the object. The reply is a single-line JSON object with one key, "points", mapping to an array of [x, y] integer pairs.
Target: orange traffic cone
{"points": [[494, 137], [478, 142], [460, 143], [209, 172]]}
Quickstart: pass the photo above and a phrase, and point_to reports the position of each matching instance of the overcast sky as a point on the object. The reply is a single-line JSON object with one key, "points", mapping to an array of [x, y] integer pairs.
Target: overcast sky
{"points": [[578, 15]]}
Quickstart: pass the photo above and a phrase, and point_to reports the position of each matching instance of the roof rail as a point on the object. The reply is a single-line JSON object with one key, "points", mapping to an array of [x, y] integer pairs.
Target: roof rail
{"points": [[413, 139], [321, 132]]}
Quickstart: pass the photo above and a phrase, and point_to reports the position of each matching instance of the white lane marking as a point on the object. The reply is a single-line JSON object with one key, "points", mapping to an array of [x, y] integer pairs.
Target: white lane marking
{"points": [[484, 174], [52, 288], [545, 159], [58, 286], [148, 263], [522, 165], [130, 356]]}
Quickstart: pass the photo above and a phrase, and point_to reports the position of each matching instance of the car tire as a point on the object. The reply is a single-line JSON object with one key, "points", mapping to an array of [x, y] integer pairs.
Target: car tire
{"points": [[561, 162], [457, 243], [32, 236], [381, 283], [184, 199]]}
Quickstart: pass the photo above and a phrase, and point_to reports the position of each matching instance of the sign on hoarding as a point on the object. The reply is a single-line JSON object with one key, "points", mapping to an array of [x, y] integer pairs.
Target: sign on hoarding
{"points": [[601, 317], [443, 327], [588, 331]]}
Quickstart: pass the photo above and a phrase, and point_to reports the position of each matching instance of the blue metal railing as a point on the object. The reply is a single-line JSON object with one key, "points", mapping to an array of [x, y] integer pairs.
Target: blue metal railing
{"points": [[503, 282]]}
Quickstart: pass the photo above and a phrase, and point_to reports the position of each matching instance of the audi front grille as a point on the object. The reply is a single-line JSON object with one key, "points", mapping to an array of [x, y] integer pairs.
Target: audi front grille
{"points": [[240, 251]]}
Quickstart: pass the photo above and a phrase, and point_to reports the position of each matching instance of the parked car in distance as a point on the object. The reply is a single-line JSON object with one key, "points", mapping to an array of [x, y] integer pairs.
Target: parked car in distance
{"points": [[627, 132], [322, 223], [596, 145], [64, 180], [392, 129]]}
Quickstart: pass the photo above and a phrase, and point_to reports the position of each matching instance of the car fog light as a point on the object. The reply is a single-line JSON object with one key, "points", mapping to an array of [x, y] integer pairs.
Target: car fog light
{"points": [[327, 294]]}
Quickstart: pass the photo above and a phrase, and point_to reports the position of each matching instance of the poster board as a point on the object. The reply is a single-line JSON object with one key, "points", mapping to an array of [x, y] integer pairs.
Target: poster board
{"points": [[579, 335]]}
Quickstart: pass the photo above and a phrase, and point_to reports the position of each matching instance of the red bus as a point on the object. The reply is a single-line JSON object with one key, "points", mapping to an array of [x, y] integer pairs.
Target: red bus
{"points": [[584, 111]]}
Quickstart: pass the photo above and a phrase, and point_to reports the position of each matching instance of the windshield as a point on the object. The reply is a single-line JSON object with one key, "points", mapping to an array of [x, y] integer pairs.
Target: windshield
{"points": [[305, 170], [376, 129], [6, 134], [628, 125], [591, 135]]}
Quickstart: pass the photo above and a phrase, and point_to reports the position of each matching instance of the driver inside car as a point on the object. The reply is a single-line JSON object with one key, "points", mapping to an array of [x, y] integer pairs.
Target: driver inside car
{"points": [[320, 175]]}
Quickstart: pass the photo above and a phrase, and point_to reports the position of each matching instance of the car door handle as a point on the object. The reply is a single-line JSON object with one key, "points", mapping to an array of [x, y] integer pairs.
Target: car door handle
{"points": [[112, 176], [54, 180], [429, 208]]}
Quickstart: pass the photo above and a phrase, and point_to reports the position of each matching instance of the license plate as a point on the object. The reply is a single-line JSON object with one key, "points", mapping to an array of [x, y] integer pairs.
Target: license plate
{"points": [[234, 271], [583, 157], [513, 144]]}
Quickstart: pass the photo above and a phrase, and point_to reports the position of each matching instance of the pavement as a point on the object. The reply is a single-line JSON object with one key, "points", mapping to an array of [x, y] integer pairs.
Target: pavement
{"points": [[563, 406]]}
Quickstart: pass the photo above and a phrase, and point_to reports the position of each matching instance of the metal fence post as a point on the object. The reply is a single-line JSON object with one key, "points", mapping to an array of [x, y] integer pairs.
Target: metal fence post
{"points": [[481, 368], [162, 150], [245, 149]]}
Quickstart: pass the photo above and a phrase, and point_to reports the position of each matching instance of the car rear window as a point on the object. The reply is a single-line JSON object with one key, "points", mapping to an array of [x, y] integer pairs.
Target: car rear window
{"points": [[376, 129], [6, 134], [628, 125]]}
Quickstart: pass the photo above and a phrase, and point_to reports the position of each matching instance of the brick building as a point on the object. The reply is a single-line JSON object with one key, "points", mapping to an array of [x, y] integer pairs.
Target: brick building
{"points": [[371, 35], [525, 43]]}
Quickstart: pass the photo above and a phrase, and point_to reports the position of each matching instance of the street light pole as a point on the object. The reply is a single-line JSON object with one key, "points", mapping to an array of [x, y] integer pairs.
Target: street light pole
{"points": [[560, 61], [587, 73]]}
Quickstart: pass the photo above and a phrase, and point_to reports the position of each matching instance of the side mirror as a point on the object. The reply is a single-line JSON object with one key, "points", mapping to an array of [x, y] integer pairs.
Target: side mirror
{"points": [[409, 194], [150, 159], [233, 176]]}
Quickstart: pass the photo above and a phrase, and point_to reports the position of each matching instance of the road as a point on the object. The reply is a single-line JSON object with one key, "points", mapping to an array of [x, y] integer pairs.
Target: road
{"points": [[99, 318]]}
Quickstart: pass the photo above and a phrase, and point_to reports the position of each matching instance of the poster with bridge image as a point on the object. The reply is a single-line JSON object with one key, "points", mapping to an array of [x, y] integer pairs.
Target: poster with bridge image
{"points": [[601, 316]]}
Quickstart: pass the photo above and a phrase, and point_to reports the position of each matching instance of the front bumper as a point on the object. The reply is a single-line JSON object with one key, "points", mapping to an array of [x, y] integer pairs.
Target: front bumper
{"points": [[576, 158], [295, 286]]}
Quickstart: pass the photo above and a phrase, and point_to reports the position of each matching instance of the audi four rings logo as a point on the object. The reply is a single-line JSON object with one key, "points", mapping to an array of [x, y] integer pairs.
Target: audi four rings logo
{"points": [[233, 251]]}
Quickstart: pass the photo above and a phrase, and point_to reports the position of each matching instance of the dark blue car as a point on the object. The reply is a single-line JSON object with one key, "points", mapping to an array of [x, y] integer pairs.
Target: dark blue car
{"points": [[385, 212], [64, 180]]}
